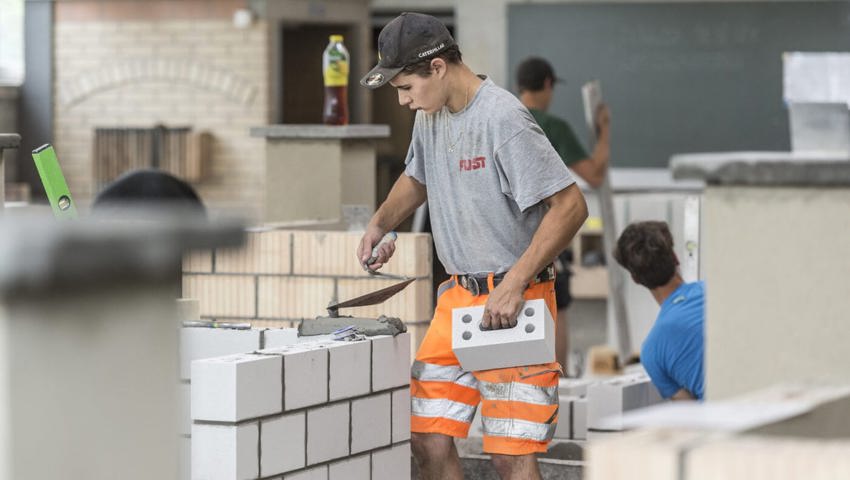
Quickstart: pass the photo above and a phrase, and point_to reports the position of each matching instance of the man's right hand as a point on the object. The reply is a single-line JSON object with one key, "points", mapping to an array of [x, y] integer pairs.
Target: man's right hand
{"points": [[372, 237], [603, 119]]}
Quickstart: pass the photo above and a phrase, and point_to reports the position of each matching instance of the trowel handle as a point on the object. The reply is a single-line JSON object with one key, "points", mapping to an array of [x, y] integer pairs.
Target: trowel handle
{"points": [[389, 237]]}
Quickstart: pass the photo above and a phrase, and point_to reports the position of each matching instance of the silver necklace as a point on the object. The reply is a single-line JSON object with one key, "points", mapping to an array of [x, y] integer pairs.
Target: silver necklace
{"points": [[449, 144]]}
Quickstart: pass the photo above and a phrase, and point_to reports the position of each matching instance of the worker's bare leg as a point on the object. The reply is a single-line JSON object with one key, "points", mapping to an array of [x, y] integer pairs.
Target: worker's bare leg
{"points": [[516, 467], [436, 456]]}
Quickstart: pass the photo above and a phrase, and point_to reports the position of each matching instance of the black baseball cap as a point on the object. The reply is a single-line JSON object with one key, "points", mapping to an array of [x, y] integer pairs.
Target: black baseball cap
{"points": [[533, 72], [407, 39]]}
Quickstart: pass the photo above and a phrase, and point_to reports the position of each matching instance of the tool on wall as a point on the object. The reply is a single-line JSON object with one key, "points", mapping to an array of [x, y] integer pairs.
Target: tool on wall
{"points": [[55, 187]]}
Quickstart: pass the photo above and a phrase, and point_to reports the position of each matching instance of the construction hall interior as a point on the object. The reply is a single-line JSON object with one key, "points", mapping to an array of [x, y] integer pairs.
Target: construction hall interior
{"points": [[430, 239]]}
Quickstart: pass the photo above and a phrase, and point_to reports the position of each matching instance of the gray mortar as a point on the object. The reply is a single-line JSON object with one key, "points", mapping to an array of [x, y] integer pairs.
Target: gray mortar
{"points": [[365, 326]]}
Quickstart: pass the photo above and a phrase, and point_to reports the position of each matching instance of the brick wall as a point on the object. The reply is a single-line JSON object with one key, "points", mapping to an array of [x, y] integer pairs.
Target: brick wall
{"points": [[281, 277], [139, 64], [304, 409]]}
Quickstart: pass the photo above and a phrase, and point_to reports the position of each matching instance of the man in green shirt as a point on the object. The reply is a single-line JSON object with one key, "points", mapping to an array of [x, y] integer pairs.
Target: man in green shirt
{"points": [[536, 80]]}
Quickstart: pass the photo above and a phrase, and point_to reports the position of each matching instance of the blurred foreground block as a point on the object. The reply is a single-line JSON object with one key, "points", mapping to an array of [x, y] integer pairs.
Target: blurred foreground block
{"points": [[88, 349]]}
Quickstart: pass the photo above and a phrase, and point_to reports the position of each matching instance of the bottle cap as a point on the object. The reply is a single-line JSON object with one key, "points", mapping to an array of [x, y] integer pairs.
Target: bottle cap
{"points": [[336, 38]]}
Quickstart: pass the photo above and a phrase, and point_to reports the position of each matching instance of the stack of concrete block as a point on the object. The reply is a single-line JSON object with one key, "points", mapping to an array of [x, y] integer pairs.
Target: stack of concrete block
{"points": [[203, 343], [572, 410], [319, 409], [280, 277], [608, 400], [783, 432], [691, 454]]}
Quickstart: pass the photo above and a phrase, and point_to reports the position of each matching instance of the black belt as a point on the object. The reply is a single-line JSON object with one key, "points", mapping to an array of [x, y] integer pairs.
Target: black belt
{"points": [[477, 284]]}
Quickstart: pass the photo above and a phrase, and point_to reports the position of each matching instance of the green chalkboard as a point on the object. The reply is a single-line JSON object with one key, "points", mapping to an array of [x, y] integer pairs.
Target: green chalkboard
{"points": [[679, 77]]}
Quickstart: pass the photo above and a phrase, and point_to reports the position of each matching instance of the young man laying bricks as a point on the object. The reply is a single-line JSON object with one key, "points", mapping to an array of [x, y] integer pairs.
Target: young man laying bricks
{"points": [[672, 353], [502, 206]]}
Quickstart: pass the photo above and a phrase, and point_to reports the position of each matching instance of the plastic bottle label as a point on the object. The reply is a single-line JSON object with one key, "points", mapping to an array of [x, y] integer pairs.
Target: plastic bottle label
{"points": [[336, 74]]}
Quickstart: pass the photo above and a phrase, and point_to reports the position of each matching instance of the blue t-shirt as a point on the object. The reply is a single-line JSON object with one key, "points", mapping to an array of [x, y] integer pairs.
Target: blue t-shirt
{"points": [[672, 353]]}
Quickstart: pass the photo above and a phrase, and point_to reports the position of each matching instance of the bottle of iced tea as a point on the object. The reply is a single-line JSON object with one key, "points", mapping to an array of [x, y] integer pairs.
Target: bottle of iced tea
{"points": [[335, 68]]}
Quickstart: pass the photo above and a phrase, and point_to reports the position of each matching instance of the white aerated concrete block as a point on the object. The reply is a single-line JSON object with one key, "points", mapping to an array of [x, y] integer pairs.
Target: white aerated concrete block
{"points": [[392, 463], [327, 433], [236, 387], [349, 371], [390, 361], [184, 409], [580, 419], [283, 441], [370, 422], [225, 452], [318, 473], [401, 415], [279, 337], [565, 417], [305, 374], [197, 343], [574, 387], [530, 342], [608, 400], [355, 468]]}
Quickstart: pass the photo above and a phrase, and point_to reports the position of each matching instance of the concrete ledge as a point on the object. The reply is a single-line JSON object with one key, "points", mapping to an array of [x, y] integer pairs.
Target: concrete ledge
{"points": [[9, 140], [322, 131], [39, 255], [764, 168]]}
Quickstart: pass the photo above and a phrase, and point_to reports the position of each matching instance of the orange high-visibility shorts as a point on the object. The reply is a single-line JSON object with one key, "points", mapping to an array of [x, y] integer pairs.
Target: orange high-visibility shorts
{"points": [[519, 405]]}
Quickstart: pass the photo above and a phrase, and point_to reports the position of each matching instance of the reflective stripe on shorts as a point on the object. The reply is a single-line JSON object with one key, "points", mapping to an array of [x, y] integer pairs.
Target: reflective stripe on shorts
{"points": [[515, 428], [519, 392], [443, 408], [429, 372]]}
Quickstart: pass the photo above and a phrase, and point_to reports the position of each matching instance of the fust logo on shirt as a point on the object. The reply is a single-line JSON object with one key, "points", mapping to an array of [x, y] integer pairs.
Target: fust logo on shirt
{"points": [[472, 164]]}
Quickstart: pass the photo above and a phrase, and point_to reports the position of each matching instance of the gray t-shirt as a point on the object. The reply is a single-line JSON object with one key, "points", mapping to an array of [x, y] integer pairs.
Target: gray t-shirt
{"points": [[486, 170]]}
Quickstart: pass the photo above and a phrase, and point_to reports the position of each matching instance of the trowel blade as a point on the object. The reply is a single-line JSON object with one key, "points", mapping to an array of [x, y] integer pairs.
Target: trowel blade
{"points": [[373, 298]]}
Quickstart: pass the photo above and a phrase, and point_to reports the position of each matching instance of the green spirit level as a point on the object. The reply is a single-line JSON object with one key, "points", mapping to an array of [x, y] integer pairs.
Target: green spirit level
{"points": [[54, 182]]}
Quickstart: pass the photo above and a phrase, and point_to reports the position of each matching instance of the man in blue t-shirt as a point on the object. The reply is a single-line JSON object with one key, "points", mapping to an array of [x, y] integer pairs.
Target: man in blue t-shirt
{"points": [[672, 353]]}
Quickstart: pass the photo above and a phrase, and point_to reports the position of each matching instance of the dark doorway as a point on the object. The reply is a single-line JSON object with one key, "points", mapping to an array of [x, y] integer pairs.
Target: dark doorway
{"points": [[303, 86]]}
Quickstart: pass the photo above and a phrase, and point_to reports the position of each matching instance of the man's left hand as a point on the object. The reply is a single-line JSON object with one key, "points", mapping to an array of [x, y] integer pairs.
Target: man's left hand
{"points": [[503, 305]]}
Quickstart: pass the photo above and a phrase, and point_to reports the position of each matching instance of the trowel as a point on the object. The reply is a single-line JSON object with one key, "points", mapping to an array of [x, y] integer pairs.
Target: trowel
{"points": [[372, 298]]}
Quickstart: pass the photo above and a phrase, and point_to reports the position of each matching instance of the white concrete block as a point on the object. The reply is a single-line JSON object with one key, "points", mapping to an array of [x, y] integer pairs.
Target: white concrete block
{"points": [[236, 387], [283, 444], [225, 452], [305, 374], [197, 343], [608, 400], [580, 418], [350, 371], [565, 417], [318, 473], [279, 337], [392, 463], [530, 342], [576, 387], [390, 361], [370, 422], [184, 408], [327, 433], [401, 415], [355, 468]]}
